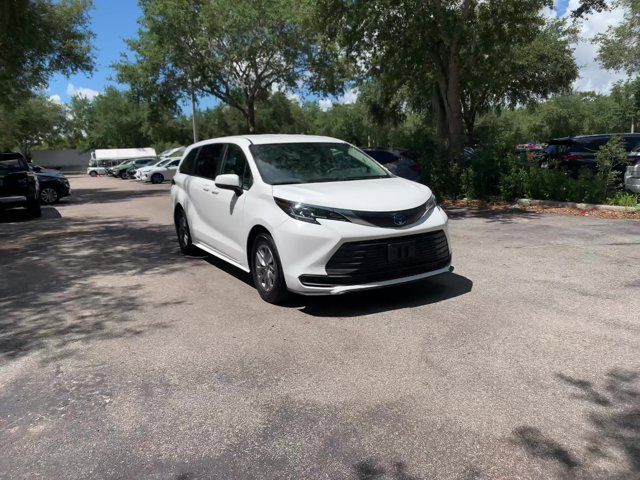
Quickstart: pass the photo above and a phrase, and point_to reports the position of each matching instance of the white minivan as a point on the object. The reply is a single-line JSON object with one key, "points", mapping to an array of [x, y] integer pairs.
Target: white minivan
{"points": [[307, 214]]}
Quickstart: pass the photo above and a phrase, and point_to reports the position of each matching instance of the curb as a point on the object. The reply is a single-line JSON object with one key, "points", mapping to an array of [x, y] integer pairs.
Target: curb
{"points": [[526, 202]]}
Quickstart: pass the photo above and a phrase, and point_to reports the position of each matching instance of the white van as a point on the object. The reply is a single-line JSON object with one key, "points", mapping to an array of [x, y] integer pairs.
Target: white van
{"points": [[101, 159]]}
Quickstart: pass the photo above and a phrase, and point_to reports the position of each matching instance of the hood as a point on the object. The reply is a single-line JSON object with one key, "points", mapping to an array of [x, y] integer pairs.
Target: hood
{"points": [[50, 174], [375, 195]]}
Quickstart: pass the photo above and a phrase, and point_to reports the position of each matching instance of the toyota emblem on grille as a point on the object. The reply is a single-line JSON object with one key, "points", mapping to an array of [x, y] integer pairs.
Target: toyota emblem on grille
{"points": [[399, 219]]}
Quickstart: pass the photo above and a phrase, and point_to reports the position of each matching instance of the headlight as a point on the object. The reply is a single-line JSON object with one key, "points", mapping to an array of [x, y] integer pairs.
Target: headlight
{"points": [[431, 203], [308, 213]]}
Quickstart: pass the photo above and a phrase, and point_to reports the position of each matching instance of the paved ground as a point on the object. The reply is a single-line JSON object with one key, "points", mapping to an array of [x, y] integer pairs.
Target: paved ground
{"points": [[119, 358]]}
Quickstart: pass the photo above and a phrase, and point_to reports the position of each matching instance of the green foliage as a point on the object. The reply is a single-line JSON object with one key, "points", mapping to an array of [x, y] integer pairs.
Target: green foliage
{"points": [[235, 50], [522, 181], [455, 59], [34, 122], [620, 44], [610, 157], [625, 199], [39, 38]]}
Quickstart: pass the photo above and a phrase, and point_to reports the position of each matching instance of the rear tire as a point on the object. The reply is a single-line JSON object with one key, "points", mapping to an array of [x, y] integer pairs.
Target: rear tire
{"points": [[266, 269], [184, 233], [157, 178]]}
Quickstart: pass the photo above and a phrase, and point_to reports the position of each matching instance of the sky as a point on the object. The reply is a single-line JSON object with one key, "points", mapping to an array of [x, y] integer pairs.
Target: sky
{"points": [[113, 21]]}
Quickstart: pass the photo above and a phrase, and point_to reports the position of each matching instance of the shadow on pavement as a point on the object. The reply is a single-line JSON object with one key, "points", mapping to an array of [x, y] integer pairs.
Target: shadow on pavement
{"points": [[14, 215], [50, 293], [431, 290], [112, 195], [497, 216], [613, 435]]}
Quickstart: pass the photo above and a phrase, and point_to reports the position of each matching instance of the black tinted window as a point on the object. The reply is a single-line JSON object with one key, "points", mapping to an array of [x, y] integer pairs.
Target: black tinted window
{"points": [[189, 162], [10, 165], [381, 156], [236, 162], [208, 160]]}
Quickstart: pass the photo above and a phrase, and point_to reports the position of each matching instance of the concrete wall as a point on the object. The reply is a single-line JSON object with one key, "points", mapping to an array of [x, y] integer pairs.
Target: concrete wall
{"points": [[67, 160]]}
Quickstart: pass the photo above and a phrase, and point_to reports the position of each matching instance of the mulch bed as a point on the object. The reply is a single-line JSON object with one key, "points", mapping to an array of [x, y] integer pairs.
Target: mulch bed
{"points": [[503, 207]]}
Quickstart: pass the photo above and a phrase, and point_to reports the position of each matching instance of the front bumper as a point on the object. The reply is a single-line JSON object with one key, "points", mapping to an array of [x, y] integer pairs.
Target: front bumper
{"points": [[305, 250]]}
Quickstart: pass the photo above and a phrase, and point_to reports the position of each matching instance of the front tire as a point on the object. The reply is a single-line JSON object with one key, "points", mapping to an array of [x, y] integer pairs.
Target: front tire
{"points": [[157, 178], [266, 270], [93, 173], [49, 196], [184, 234]]}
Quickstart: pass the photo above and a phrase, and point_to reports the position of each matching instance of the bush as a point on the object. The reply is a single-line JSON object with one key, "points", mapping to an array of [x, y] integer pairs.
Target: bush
{"points": [[625, 199], [610, 157], [544, 184]]}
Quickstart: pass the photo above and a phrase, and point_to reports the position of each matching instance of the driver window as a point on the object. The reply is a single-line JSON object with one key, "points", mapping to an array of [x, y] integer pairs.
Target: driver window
{"points": [[236, 162]]}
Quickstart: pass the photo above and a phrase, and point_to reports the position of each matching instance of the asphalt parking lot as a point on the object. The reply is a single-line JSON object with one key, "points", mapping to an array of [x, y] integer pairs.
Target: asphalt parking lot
{"points": [[120, 358]]}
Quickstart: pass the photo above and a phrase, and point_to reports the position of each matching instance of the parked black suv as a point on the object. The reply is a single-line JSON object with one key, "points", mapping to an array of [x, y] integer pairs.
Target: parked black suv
{"points": [[18, 184], [574, 153]]}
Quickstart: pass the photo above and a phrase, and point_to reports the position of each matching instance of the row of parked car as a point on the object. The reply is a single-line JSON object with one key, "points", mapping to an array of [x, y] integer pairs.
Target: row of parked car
{"points": [[574, 154], [151, 169]]}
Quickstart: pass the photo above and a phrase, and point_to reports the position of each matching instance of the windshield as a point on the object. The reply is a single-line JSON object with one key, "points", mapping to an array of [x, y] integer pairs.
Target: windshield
{"points": [[286, 163]]}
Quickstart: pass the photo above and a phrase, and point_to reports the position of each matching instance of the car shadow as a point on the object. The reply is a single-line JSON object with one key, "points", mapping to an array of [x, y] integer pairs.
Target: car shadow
{"points": [[16, 215], [424, 292]]}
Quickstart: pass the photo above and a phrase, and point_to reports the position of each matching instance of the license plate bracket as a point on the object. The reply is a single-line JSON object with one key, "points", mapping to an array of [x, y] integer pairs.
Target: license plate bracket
{"points": [[401, 251]]}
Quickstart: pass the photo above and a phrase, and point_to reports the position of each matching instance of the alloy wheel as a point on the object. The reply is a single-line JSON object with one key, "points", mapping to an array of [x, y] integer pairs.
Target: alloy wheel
{"points": [[183, 231], [266, 267], [48, 195]]}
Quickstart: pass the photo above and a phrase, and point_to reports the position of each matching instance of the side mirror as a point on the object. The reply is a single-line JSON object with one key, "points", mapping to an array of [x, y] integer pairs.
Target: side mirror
{"points": [[229, 181]]}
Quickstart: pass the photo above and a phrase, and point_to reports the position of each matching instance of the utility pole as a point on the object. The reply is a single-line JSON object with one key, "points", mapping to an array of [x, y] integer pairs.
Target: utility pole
{"points": [[194, 113]]}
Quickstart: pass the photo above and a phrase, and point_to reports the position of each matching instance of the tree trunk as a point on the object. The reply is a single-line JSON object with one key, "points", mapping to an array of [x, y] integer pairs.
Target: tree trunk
{"points": [[250, 116], [454, 107]]}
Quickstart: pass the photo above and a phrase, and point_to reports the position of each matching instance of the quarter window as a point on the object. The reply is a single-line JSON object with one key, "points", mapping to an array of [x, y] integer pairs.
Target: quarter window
{"points": [[188, 164], [236, 162]]}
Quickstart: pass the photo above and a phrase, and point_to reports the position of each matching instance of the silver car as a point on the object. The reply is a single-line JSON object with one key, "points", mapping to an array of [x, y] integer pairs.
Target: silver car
{"points": [[632, 173]]}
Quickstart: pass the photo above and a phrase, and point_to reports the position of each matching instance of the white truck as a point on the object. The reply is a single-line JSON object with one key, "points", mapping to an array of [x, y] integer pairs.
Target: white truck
{"points": [[101, 159]]}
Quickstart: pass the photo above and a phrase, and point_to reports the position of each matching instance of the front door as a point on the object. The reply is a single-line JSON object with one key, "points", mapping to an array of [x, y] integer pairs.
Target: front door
{"points": [[227, 207]]}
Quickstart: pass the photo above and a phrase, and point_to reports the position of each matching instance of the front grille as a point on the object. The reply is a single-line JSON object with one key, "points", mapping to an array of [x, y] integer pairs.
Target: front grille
{"points": [[368, 261], [392, 219]]}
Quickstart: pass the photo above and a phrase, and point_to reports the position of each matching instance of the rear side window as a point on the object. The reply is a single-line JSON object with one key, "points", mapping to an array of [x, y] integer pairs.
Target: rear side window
{"points": [[236, 162], [10, 165], [209, 160], [189, 162]]}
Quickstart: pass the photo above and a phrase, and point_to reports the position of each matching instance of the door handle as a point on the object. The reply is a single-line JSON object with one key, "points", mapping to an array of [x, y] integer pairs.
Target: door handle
{"points": [[205, 189]]}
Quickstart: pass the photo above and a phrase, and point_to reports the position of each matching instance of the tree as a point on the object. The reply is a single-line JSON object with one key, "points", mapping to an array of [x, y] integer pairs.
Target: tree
{"points": [[457, 57], [234, 50], [39, 38], [34, 122], [619, 46]]}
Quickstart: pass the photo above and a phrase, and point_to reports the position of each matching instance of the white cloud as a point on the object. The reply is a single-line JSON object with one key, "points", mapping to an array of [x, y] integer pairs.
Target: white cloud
{"points": [[55, 99], [592, 75], [325, 104], [294, 97], [350, 96], [82, 92]]}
